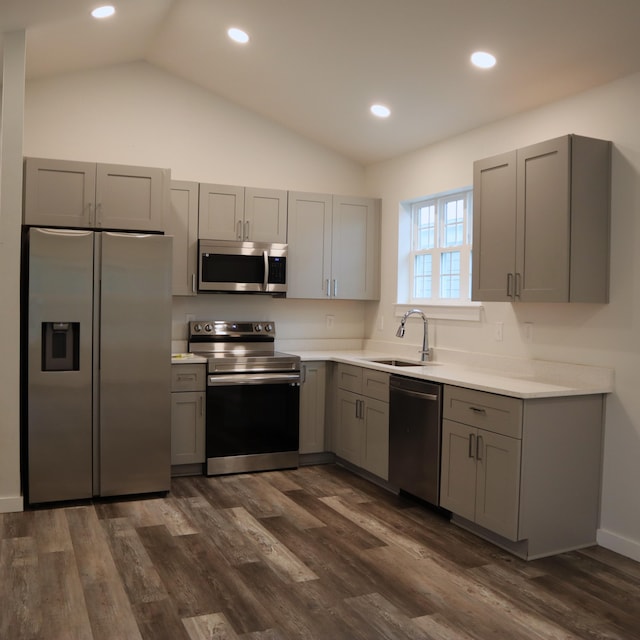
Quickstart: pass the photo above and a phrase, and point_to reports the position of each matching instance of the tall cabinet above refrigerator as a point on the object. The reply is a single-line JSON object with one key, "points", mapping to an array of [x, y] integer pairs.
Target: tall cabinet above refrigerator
{"points": [[97, 349]]}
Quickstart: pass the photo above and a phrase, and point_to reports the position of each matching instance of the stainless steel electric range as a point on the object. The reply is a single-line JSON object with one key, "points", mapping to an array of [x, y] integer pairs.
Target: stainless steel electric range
{"points": [[253, 397]]}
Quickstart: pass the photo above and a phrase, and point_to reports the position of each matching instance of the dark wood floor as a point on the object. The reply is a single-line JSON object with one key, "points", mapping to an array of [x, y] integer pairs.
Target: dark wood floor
{"points": [[311, 553]]}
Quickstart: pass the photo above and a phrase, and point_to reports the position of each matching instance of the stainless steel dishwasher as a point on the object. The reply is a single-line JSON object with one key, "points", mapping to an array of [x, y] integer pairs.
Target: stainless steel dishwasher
{"points": [[415, 409]]}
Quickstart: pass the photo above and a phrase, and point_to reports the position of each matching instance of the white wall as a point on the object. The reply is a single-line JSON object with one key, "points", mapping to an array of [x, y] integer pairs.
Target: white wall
{"points": [[604, 335]]}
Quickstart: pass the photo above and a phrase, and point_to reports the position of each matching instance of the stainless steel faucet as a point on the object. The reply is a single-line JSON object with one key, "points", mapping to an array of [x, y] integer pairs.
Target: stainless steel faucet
{"points": [[425, 352]]}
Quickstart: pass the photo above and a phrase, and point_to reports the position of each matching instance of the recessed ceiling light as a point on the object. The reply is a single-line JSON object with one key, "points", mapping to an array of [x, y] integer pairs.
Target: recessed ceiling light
{"points": [[483, 59], [238, 35], [380, 111], [103, 12]]}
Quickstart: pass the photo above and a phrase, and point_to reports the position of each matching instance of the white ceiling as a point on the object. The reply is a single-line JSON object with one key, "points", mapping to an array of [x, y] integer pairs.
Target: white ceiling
{"points": [[315, 66]]}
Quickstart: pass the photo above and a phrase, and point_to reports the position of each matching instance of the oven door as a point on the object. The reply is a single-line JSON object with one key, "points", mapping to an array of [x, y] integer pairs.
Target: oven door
{"points": [[252, 422]]}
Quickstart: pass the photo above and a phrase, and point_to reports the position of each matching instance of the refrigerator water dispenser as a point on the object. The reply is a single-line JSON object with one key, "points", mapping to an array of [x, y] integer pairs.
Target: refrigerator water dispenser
{"points": [[60, 346]]}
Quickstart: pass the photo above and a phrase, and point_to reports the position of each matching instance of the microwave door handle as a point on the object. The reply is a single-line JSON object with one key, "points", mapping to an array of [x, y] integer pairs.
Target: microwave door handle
{"points": [[265, 284]]}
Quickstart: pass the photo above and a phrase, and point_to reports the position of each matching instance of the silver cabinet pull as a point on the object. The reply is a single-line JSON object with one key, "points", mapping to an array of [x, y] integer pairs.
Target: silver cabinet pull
{"points": [[472, 447], [327, 287], [201, 403], [193, 283], [303, 374], [239, 230], [518, 285], [98, 217], [246, 230], [335, 288], [478, 410], [479, 448], [509, 285]]}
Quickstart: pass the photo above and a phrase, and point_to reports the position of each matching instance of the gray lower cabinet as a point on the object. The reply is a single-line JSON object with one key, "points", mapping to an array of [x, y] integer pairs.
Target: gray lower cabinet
{"points": [[312, 407], [362, 418], [541, 223], [524, 474], [66, 193], [188, 398]]}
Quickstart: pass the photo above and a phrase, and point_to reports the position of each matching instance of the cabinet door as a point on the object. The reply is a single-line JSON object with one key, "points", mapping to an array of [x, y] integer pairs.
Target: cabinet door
{"points": [[221, 212], [355, 248], [59, 193], [265, 215], [187, 427], [312, 400], [458, 469], [349, 433], [375, 454], [494, 228], [498, 483], [182, 224], [543, 222], [309, 253], [131, 198]]}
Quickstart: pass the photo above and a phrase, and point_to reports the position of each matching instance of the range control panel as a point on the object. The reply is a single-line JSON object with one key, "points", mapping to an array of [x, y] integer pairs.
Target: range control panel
{"points": [[227, 329]]}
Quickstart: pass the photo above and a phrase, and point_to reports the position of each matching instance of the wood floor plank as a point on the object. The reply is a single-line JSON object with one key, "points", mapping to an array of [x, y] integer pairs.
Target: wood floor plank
{"points": [[138, 574], [108, 606], [213, 626], [304, 554], [270, 548]]}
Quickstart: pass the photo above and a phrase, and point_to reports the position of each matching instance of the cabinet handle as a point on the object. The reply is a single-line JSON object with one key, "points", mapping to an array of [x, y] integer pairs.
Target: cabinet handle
{"points": [[201, 403], [327, 287], [303, 374], [518, 285], [509, 285], [479, 448], [98, 220], [335, 288], [193, 283], [90, 207], [478, 410], [472, 445], [246, 230], [239, 230]]}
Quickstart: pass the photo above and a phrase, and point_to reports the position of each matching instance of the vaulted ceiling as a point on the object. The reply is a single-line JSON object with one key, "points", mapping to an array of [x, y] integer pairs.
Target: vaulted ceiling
{"points": [[315, 66]]}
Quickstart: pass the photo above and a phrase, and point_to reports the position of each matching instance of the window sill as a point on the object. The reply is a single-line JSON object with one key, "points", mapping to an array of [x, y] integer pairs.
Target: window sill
{"points": [[468, 311]]}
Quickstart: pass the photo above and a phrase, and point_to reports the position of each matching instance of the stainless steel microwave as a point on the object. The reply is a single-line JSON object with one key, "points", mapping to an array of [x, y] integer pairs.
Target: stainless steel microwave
{"points": [[242, 267]]}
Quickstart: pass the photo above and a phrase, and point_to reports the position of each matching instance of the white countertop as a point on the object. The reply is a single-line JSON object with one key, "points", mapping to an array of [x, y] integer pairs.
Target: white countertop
{"points": [[517, 378], [547, 382]]}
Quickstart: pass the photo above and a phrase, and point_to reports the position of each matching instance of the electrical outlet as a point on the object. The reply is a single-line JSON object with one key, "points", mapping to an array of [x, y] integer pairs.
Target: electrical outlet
{"points": [[329, 319], [498, 331], [528, 331]]}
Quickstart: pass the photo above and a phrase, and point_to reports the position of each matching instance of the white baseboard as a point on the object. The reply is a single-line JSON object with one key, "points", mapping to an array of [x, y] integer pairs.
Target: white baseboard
{"points": [[11, 505], [619, 544]]}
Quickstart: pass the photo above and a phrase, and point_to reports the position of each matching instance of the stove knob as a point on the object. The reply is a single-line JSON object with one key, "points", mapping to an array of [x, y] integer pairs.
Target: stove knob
{"points": [[208, 328], [197, 327], [268, 327], [258, 328]]}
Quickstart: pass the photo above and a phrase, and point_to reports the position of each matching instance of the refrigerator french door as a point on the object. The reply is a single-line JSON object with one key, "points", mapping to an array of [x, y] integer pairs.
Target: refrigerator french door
{"points": [[98, 364]]}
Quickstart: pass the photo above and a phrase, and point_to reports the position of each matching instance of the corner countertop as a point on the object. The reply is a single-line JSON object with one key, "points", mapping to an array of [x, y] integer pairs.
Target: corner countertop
{"points": [[187, 358], [531, 379]]}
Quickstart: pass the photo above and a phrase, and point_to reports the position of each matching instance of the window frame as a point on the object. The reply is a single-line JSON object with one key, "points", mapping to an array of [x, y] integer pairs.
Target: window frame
{"points": [[439, 202]]}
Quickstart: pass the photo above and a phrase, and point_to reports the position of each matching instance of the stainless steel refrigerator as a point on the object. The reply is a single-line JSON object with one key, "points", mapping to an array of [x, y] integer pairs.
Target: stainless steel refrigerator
{"points": [[98, 356]]}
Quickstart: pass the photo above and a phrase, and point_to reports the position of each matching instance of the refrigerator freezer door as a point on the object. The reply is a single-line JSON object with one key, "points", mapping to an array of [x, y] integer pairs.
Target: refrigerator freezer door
{"points": [[135, 363], [59, 404]]}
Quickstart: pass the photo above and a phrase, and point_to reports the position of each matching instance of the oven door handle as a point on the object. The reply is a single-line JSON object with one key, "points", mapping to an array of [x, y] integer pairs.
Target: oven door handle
{"points": [[253, 378]]}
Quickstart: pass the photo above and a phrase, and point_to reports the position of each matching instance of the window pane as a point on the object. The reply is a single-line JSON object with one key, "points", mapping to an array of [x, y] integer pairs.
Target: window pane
{"points": [[450, 274], [426, 226], [453, 226], [422, 277]]}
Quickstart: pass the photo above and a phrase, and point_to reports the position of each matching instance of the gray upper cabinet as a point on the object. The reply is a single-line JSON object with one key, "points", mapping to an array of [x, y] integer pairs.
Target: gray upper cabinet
{"points": [[242, 213], [64, 193], [541, 223], [182, 224], [334, 247]]}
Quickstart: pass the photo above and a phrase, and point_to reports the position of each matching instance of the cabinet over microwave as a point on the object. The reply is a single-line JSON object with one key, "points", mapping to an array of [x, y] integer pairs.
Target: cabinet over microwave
{"points": [[242, 267]]}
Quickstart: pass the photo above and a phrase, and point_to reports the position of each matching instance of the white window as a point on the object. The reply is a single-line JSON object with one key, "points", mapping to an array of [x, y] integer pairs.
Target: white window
{"points": [[440, 254]]}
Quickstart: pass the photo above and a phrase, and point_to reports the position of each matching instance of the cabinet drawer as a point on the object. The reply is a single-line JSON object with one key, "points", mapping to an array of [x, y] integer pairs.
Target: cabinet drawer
{"points": [[489, 411], [350, 378], [188, 377], [375, 384]]}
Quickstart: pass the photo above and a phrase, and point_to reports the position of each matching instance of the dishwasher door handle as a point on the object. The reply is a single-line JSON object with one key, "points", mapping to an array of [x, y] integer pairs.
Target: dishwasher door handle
{"points": [[417, 394]]}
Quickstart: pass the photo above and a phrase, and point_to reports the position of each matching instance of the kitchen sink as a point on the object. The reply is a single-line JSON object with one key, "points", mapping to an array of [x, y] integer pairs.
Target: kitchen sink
{"points": [[398, 363]]}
